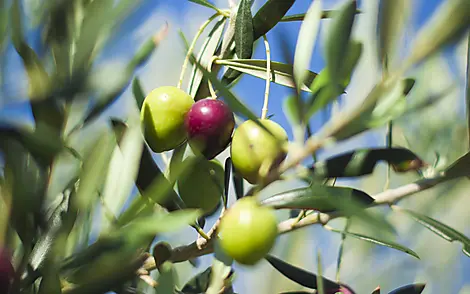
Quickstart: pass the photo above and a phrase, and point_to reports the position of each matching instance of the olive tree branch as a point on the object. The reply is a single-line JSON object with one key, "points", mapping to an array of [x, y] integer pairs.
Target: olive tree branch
{"points": [[388, 197]]}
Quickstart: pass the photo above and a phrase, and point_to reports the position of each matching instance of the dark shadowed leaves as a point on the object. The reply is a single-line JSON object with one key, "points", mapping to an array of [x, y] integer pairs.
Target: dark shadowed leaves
{"points": [[361, 162], [316, 197], [301, 276], [199, 283], [461, 167], [379, 242], [139, 94], [409, 289], [227, 177], [244, 30], [281, 73], [269, 15], [440, 229], [238, 183]]}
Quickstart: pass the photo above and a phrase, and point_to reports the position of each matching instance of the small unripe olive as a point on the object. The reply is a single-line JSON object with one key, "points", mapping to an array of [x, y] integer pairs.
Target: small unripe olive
{"points": [[253, 148], [162, 115], [248, 231], [203, 186]]}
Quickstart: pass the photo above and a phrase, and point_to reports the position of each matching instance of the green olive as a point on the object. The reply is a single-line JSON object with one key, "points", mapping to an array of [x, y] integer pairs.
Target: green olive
{"points": [[248, 231], [203, 186], [253, 148], [162, 115]]}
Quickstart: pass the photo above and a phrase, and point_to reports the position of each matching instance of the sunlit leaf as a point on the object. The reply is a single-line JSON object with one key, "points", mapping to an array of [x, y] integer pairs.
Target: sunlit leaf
{"points": [[320, 286], [338, 39], [306, 42], [301, 16], [166, 279], [379, 242], [205, 54], [315, 198], [205, 3], [292, 110], [447, 25], [392, 19], [281, 73], [440, 229]]}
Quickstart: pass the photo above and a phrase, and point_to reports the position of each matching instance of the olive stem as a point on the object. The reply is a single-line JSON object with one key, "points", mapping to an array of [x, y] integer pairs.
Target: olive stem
{"points": [[202, 233], [193, 44], [264, 111], [209, 69]]}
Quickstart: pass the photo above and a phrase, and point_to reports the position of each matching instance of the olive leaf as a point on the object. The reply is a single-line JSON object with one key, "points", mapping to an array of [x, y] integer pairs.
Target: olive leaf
{"points": [[269, 15], [227, 177], [244, 30], [302, 277], [377, 241], [337, 39], [301, 16], [139, 94], [440, 229], [409, 289], [281, 73], [205, 3], [459, 168], [205, 54], [238, 183], [362, 162], [316, 197], [306, 42]]}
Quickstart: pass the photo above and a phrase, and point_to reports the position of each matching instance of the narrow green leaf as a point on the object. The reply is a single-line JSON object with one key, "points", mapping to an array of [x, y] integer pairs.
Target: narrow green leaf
{"points": [[205, 3], [139, 94], [94, 171], [221, 269], [244, 30], [205, 54], [460, 168], [440, 229], [167, 279], [448, 23], [322, 91], [281, 73], [467, 92], [338, 39], [301, 16], [269, 15], [320, 286], [291, 109], [316, 197], [392, 19], [306, 42], [361, 162], [379, 242], [409, 289], [150, 176]]}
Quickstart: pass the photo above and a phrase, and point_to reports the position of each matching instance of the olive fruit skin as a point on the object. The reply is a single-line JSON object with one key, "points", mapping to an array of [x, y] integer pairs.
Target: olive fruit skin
{"points": [[253, 147], [162, 116], [209, 124], [248, 231], [6, 271], [202, 188]]}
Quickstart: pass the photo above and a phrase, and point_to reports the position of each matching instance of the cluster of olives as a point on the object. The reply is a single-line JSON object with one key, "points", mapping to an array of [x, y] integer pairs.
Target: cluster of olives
{"points": [[170, 117]]}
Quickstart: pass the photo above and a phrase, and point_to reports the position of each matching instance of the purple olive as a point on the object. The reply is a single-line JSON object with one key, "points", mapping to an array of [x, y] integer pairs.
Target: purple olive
{"points": [[6, 271], [209, 125]]}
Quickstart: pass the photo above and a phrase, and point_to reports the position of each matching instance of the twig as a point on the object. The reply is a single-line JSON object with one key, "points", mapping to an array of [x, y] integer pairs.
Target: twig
{"points": [[264, 111], [193, 44], [389, 197]]}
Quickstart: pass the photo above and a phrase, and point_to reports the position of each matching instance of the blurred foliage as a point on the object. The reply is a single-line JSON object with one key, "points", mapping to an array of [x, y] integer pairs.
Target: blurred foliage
{"points": [[83, 199]]}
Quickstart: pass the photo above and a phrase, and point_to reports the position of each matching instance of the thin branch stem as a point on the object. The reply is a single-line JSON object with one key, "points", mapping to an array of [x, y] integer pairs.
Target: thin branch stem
{"points": [[264, 111], [389, 197], [193, 44], [209, 69]]}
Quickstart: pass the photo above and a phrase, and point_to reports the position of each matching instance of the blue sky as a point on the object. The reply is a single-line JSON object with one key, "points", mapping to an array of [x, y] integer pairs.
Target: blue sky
{"points": [[164, 67]]}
